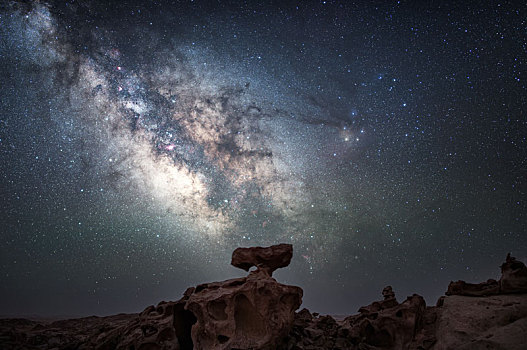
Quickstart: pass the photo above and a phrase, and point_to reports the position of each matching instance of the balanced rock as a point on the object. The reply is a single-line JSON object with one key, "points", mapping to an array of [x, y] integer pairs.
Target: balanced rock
{"points": [[265, 259], [253, 312]]}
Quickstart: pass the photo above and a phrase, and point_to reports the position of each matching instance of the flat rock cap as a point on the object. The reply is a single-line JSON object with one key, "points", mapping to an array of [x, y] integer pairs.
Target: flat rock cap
{"points": [[265, 259]]}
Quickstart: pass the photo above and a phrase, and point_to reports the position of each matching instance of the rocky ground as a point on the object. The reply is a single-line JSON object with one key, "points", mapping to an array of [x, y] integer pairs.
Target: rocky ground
{"points": [[257, 312]]}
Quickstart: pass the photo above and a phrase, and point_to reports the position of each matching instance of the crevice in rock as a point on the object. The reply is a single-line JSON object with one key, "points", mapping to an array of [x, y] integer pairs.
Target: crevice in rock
{"points": [[247, 319], [223, 339], [183, 321]]}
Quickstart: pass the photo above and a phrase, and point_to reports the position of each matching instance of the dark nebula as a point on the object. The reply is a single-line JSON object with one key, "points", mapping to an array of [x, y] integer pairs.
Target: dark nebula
{"points": [[141, 142]]}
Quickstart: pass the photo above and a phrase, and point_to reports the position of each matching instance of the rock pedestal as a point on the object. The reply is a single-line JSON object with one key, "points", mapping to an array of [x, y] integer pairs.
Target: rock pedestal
{"points": [[243, 313], [253, 312]]}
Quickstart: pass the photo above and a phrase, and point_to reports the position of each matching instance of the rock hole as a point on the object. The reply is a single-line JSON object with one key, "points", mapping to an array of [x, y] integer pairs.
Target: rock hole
{"points": [[183, 321], [216, 309], [148, 330], [222, 339], [399, 313]]}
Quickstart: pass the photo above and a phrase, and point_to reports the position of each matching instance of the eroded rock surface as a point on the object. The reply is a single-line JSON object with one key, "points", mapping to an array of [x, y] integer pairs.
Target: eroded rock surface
{"points": [[257, 312], [388, 324], [243, 313], [513, 280], [494, 322], [491, 287], [266, 259], [513, 276], [384, 324], [253, 312]]}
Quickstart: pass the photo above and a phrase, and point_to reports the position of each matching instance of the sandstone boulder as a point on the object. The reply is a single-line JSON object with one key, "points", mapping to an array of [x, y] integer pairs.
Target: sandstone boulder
{"points": [[266, 259]]}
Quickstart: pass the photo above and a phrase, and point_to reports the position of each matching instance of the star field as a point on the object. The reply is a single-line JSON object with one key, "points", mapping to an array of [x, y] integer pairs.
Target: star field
{"points": [[141, 143]]}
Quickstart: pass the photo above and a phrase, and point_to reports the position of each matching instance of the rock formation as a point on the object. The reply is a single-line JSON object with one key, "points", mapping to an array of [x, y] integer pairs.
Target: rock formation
{"points": [[513, 280], [265, 259], [381, 325], [258, 313], [513, 276], [244, 313], [253, 312], [491, 287], [478, 323]]}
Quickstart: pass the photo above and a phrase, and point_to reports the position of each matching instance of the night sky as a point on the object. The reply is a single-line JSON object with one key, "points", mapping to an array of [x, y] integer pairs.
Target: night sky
{"points": [[141, 143]]}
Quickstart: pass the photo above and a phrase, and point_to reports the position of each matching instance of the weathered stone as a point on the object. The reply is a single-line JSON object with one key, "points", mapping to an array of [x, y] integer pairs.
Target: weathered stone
{"points": [[513, 280], [387, 325], [388, 302], [254, 312], [265, 259], [513, 276], [494, 322], [491, 287]]}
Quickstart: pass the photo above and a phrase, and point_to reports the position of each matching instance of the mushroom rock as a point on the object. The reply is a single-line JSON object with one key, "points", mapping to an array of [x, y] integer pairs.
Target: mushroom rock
{"points": [[513, 276], [265, 259], [253, 312]]}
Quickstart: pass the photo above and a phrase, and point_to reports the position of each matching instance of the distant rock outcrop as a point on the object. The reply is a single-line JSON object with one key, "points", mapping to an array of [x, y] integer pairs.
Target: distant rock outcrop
{"points": [[513, 280], [258, 313], [384, 324], [513, 276]]}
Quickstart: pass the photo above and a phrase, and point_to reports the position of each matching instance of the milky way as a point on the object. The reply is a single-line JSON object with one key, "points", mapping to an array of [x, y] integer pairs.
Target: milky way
{"points": [[142, 143]]}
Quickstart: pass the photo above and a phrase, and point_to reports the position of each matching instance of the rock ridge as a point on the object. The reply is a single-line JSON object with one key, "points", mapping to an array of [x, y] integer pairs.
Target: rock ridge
{"points": [[256, 312]]}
